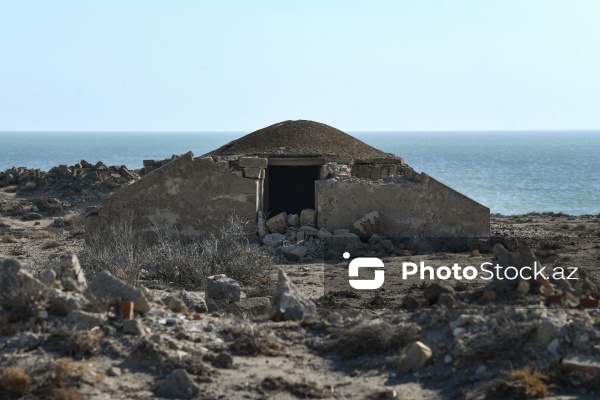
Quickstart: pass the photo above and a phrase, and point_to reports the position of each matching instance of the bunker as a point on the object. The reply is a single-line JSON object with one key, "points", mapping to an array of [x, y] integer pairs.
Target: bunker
{"points": [[286, 168]]}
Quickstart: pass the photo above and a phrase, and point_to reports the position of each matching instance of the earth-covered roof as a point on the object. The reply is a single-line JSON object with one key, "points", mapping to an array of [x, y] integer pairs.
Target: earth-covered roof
{"points": [[301, 138]]}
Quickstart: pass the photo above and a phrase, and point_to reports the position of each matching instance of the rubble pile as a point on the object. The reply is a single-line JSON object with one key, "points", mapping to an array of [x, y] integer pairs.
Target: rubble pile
{"points": [[80, 182]]}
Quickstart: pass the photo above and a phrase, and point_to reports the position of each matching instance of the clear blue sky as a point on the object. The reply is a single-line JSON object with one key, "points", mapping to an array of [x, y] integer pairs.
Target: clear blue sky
{"points": [[357, 65]]}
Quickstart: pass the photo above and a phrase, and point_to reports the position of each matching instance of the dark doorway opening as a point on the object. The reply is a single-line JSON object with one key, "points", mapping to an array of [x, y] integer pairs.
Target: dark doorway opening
{"points": [[290, 188]]}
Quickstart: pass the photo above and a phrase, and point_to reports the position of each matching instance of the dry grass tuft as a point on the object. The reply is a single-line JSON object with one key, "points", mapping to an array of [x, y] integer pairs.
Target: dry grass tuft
{"points": [[66, 394], [15, 381], [370, 338], [8, 238], [531, 382]]}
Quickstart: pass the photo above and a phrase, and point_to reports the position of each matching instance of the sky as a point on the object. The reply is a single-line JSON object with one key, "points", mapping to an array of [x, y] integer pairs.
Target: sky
{"points": [[242, 65]]}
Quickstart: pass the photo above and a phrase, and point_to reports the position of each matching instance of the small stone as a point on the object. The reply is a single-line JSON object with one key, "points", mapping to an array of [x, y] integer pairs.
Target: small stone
{"points": [[174, 304], [220, 291], [433, 291], [178, 385], [417, 355], [28, 341], [446, 300], [47, 276], [134, 327], [114, 371], [448, 359], [43, 314], [553, 347], [309, 230], [224, 360]]}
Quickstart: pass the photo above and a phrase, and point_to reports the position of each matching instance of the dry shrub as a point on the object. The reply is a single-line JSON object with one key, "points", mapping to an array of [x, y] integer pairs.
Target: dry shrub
{"points": [[66, 394], [530, 382], [184, 262], [249, 340], [80, 343], [15, 381], [8, 238], [371, 337]]}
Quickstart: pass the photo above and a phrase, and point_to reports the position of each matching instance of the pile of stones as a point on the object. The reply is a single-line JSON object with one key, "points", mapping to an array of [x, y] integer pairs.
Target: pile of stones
{"points": [[79, 182]]}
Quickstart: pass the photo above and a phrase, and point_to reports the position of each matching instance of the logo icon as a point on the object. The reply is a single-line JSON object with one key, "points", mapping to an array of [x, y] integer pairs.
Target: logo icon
{"points": [[365, 262]]}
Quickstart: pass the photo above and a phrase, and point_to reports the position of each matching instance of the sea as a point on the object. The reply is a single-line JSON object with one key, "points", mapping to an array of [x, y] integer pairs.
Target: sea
{"points": [[510, 172]]}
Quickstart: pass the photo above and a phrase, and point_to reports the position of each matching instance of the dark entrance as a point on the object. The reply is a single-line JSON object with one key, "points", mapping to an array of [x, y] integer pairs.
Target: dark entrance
{"points": [[291, 189]]}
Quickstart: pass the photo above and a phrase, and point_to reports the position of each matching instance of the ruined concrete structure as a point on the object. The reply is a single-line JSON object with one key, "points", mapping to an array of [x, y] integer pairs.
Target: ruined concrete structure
{"points": [[288, 167]]}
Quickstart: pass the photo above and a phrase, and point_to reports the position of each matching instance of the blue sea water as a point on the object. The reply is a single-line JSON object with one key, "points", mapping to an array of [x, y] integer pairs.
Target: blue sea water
{"points": [[510, 172]]}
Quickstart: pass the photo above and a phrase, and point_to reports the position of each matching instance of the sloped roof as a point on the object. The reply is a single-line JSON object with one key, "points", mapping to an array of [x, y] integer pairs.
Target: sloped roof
{"points": [[301, 138]]}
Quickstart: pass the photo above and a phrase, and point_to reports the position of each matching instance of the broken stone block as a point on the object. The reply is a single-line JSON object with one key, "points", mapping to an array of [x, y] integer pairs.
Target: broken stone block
{"points": [[220, 291], [325, 235], [223, 166], [62, 303], [252, 172], [193, 301], [106, 287], [178, 385], [293, 220], [369, 225], [84, 321], [417, 356], [289, 303], [309, 230], [293, 253], [308, 217], [72, 276], [277, 223], [253, 162], [17, 284], [273, 239]]}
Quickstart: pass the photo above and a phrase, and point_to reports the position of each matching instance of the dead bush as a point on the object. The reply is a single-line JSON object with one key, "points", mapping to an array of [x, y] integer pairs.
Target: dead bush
{"points": [[529, 382], [252, 340], [15, 381], [66, 394], [371, 337], [178, 260]]}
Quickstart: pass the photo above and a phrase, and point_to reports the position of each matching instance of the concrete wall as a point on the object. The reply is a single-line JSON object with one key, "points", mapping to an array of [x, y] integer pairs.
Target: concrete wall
{"points": [[191, 196], [425, 208]]}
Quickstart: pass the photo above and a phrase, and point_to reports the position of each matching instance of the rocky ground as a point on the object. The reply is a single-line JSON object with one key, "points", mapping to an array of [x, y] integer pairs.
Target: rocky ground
{"points": [[66, 337]]}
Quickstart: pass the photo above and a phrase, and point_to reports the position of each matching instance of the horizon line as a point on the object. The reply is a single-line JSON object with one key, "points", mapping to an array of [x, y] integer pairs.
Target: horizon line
{"points": [[349, 131]]}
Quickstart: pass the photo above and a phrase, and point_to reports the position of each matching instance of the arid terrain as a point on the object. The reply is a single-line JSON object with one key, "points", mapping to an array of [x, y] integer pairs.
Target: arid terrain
{"points": [[438, 340]]}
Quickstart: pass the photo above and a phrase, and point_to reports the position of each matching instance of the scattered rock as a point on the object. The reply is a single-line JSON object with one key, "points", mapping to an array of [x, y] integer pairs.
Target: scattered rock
{"points": [[178, 385], [277, 223], [62, 303], [294, 253], [433, 291], [193, 301], [224, 360], [114, 371], [82, 320], [220, 291], [47, 276], [417, 356], [134, 327], [28, 341], [289, 303], [273, 239], [175, 304], [293, 220], [106, 287]]}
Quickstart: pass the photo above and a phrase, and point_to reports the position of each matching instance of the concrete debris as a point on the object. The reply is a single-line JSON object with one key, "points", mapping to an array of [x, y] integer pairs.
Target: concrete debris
{"points": [[369, 225], [308, 217], [294, 253], [62, 303], [134, 327], [220, 291], [289, 303], [293, 220], [72, 277], [278, 223], [108, 288], [273, 239], [47, 276]]}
